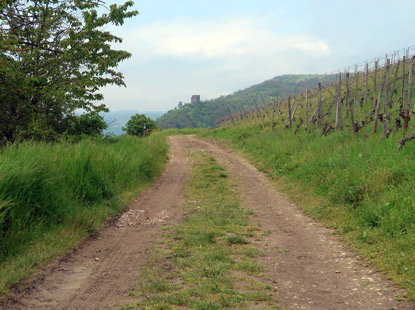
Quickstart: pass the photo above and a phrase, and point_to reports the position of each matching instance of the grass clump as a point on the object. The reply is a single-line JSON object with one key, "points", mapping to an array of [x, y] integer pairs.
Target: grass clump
{"points": [[237, 240], [54, 194], [207, 252]]}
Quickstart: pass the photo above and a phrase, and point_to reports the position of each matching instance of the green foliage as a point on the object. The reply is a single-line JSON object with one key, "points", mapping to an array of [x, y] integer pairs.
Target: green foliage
{"points": [[55, 56], [359, 184], [139, 125], [91, 124], [206, 113], [48, 187]]}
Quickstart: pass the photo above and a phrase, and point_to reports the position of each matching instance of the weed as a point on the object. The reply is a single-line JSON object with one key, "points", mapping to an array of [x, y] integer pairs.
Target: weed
{"points": [[236, 240], [250, 266], [252, 252]]}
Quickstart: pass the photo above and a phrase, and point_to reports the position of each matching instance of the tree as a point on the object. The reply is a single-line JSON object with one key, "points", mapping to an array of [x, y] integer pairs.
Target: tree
{"points": [[139, 125], [54, 57], [91, 124]]}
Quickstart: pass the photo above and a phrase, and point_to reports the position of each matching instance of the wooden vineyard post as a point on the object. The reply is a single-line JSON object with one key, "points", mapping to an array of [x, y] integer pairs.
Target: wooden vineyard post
{"points": [[356, 87], [403, 80], [260, 115], [375, 124], [349, 102], [320, 106], [366, 82], [408, 97], [243, 114], [273, 114], [247, 114], [237, 117], [287, 123], [386, 99], [248, 111], [252, 113], [266, 109], [289, 111], [295, 105], [395, 79], [230, 114], [374, 84], [277, 107], [339, 116], [306, 109]]}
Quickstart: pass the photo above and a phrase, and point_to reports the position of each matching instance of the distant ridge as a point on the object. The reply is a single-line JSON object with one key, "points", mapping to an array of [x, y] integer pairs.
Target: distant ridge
{"points": [[205, 113]]}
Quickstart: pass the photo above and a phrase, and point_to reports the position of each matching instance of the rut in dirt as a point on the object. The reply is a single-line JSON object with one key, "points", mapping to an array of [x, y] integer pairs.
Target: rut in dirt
{"points": [[309, 266], [99, 274]]}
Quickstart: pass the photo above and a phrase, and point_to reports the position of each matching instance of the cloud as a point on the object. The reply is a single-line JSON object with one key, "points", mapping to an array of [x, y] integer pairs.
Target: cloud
{"points": [[174, 59], [208, 39], [318, 48]]}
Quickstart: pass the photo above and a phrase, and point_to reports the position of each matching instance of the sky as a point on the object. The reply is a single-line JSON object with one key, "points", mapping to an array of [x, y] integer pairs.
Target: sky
{"points": [[212, 48]]}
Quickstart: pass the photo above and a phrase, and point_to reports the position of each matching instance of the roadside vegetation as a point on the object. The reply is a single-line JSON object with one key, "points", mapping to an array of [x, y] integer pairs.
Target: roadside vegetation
{"points": [[208, 260], [53, 195], [55, 56], [359, 185], [60, 178]]}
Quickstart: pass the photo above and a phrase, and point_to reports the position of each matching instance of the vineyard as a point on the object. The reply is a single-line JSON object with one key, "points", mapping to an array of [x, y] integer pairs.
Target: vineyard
{"points": [[375, 97]]}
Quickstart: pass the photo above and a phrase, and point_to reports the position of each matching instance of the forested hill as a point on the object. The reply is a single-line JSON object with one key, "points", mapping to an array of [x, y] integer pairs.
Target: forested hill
{"points": [[206, 113]]}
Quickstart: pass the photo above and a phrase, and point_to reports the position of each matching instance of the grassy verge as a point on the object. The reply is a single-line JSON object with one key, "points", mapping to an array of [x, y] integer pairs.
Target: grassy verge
{"points": [[360, 185], [54, 195], [208, 261]]}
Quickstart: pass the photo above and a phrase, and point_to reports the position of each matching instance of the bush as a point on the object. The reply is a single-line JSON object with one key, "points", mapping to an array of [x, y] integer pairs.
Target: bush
{"points": [[139, 125]]}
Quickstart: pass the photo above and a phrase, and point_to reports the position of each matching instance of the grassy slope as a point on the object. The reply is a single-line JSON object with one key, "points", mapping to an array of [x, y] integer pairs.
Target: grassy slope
{"points": [[360, 185], [54, 195]]}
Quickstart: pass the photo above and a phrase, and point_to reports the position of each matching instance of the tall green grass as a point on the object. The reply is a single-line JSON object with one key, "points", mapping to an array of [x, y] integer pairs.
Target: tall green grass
{"points": [[48, 189], [360, 185]]}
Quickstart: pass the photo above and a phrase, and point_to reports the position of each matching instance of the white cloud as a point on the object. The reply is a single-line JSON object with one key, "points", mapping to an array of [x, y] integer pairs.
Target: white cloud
{"points": [[318, 48], [216, 38], [177, 58]]}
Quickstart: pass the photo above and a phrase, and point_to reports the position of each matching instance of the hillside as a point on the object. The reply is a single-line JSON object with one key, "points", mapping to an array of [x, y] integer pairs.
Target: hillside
{"points": [[205, 113]]}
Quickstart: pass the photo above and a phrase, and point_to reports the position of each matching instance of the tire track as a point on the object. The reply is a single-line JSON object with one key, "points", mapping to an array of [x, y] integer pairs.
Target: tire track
{"points": [[310, 267], [99, 274]]}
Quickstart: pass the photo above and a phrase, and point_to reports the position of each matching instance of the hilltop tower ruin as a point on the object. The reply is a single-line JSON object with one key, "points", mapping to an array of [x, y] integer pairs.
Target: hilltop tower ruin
{"points": [[195, 98]]}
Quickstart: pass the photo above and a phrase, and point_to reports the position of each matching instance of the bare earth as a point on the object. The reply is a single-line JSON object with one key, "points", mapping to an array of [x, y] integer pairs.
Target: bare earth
{"points": [[310, 267]]}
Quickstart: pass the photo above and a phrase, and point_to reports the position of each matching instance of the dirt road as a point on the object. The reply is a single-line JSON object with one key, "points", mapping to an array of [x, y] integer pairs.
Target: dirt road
{"points": [[310, 267]]}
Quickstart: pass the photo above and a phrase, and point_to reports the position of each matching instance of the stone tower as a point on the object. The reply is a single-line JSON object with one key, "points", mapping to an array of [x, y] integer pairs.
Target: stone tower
{"points": [[195, 98]]}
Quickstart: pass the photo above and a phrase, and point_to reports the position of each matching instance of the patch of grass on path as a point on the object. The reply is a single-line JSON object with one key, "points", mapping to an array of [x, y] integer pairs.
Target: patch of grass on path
{"points": [[208, 261]]}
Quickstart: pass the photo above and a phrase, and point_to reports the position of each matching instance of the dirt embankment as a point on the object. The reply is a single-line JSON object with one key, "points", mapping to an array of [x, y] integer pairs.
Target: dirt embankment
{"points": [[309, 266]]}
